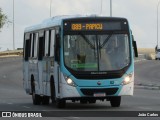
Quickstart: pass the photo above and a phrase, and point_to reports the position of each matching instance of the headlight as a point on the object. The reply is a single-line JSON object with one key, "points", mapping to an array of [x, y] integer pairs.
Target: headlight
{"points": [[127, 79], [69, 81]]}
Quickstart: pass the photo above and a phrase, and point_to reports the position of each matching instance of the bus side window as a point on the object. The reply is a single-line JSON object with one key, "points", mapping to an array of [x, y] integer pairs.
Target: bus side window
{"points": [[49, 42], [29, 49], [57, 48], [35, 45], [41, 48], [52, 43], [46, 42], [32, 46], [27, 46]]}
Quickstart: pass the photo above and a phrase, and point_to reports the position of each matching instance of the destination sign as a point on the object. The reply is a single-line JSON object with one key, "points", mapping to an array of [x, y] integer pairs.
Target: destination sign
{"points": [[97, 26], [94, 25], [87, 26]]}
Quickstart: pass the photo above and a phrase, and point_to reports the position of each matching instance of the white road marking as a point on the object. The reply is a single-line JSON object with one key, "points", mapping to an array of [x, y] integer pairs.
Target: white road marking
{"points": [[26, 107], [45, 110], [75, 117], [145, 108], [139, 60], [70, 118], [10, 103]]}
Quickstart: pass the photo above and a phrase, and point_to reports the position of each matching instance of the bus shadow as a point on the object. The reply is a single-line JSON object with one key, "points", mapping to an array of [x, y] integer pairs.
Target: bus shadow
{"points": [[88, 106]]}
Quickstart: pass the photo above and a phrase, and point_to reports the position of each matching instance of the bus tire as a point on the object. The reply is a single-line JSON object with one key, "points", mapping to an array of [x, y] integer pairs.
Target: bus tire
{"points": [[83, 101], [115, 101], [36, 98], [52, 89], [45, 100], [92, 101], [60, 103]]}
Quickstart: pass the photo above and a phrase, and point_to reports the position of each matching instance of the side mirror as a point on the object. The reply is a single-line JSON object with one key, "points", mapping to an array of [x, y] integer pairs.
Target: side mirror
{"points": [[57, 48], [135, 47]]}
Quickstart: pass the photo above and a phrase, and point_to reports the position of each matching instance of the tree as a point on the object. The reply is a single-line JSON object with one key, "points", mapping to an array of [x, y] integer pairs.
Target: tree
{"points": [[3, 19]]}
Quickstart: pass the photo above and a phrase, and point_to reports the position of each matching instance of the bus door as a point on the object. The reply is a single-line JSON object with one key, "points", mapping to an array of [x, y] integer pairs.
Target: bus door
{"points": [[33, 62], [48, 60], [57, 65], [45, 62], [41, 53], [26, 55]]}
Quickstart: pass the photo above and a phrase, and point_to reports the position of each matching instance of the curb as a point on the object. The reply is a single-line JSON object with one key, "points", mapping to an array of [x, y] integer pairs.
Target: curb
{"points": [[147, 87], [10, 58], [139, 60]]}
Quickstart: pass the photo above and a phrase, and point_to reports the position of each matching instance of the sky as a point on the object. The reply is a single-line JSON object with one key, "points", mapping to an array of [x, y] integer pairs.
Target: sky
{"points": [[141, 14]]}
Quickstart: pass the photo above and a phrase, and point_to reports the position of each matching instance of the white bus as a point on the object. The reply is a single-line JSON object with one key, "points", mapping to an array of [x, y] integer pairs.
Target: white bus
{"points": [[79, 58]]}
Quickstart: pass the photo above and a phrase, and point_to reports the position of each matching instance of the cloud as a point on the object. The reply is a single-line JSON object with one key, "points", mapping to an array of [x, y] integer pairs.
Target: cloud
{"points": [[138, 32], [146, 3], [75, 7]]}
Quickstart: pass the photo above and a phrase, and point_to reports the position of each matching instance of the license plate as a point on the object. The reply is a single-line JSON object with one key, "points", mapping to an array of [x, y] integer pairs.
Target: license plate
{"points": [[99, 94]]}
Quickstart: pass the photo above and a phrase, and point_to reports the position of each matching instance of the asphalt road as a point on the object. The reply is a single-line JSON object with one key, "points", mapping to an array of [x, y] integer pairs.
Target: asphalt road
{"points": [[147, 73], [14, 98]]}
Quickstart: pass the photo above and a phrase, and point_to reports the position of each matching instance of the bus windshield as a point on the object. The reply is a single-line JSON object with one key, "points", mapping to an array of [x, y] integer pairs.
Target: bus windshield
{"points": [[100, 52]]}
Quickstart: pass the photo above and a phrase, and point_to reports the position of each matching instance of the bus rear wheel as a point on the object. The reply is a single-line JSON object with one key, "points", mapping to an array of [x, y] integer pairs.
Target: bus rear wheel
{"points": [[115, 101], [60, 103], [36, 98]]}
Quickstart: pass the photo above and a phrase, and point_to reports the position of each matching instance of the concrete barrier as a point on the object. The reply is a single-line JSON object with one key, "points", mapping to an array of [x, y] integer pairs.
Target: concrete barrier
{"points": [[149, 56], [11, 53]]}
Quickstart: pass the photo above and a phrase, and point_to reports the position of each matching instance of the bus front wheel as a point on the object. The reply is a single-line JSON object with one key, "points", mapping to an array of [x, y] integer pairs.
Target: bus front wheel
{"points": [[45, 100], [115, 101], [52, 89]]}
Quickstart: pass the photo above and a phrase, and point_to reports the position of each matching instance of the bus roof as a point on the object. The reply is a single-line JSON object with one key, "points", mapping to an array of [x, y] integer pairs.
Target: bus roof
{"points": [[55, 21]]}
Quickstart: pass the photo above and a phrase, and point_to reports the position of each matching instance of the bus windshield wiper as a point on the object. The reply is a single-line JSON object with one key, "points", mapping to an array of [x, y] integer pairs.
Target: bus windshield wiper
{"points": [[105, 41], [88, 41]]}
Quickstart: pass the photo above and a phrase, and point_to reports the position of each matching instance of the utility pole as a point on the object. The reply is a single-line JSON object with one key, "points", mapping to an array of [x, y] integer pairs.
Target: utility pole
{"points": [[101, 7], [50, 8], [13, 28], [157, 22], [110, 8]]}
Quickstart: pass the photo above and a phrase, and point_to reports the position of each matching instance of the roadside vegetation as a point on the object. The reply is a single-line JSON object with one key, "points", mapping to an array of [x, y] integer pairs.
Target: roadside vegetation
{"points": [[3, 19]]}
